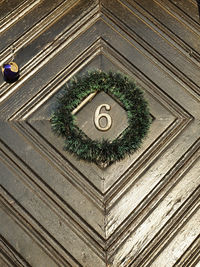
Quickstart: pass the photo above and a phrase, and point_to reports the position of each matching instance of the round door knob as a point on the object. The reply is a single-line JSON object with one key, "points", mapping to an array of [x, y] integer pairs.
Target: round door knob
{"points": [[10, 72]]}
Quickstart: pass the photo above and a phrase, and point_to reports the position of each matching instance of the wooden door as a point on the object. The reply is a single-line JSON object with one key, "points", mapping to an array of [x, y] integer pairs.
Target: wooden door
{"points": [[60, 211]]}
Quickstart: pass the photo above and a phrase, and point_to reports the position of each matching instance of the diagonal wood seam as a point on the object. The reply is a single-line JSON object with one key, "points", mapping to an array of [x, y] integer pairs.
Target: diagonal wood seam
{"points": [[39, 60], [191, 256], [74, 176], [164, 63], [180, 16], [13, 89], [172, 38], [29, 108], [169, 231], [155, 91], [45, 190], [38, 28], [40, 235], [193, 4], [17, 14], [171, 174], [99, 46], [180, 10], [53, 201], [133, 174], [32, 224], [151, 54], [145, 208], [10, 255], [54, 85]]}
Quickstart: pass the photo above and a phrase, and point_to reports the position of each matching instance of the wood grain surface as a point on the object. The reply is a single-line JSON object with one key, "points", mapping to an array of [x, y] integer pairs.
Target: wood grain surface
{"points": [[60, 211]]}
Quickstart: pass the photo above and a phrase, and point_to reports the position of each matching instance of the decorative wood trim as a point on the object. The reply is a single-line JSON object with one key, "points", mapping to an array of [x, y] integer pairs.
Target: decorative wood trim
{"points": [[39, 60], [10, 255], [191, 256], [52, 201], [35, 230], [20, 11]]}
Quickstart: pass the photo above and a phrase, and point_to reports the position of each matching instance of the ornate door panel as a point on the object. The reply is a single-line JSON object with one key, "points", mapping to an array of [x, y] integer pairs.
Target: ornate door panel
{"points": [[57, 210]]}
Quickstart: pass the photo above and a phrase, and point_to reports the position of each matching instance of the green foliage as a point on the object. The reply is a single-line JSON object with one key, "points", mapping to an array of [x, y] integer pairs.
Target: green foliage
{"points": [[121, 88]]}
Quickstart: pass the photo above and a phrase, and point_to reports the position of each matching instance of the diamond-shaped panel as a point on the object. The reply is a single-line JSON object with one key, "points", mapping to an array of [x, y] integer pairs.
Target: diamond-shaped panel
{"points": [[85, 118], [164, 123]]}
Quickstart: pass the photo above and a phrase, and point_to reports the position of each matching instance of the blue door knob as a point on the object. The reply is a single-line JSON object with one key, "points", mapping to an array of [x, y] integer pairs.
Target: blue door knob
{"points": [[10, 72]]}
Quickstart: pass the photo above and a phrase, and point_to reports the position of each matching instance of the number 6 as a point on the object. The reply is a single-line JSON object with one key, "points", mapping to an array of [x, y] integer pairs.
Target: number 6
{"points": [[98, 116]]}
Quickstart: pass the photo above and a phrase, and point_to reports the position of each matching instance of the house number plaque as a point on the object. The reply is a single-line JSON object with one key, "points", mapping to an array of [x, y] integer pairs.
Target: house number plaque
{"points": [[98, 116]]}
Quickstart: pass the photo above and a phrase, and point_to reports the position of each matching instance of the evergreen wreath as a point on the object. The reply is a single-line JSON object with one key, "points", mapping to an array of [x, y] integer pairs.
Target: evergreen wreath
{"points": [[118, 86]]}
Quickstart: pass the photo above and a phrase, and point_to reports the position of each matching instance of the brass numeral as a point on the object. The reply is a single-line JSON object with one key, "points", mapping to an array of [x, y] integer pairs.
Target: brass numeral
{"points": [[98, 115]]}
